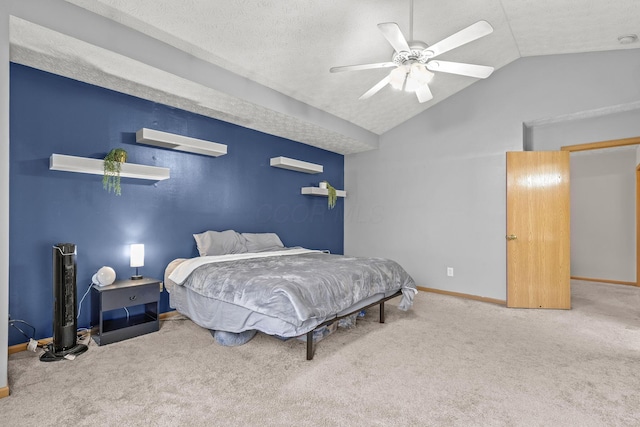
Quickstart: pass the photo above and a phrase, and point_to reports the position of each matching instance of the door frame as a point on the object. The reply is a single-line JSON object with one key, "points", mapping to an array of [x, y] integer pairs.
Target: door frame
{"points": [[611, 144]]}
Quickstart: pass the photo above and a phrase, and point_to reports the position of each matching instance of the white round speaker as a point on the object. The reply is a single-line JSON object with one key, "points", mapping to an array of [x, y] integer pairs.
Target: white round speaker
{"points": [[104, 276]]}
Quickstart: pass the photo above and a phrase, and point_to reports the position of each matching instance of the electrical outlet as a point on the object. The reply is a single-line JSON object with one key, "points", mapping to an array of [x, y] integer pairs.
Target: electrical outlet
{"points": [[450, 271]]}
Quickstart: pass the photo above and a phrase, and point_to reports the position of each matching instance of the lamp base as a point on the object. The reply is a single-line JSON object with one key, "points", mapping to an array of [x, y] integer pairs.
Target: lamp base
{"points": [[136, 277]]}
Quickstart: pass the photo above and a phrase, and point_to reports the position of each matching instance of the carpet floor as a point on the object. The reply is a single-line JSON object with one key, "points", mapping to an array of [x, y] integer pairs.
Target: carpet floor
{"points": [[447, 362]]}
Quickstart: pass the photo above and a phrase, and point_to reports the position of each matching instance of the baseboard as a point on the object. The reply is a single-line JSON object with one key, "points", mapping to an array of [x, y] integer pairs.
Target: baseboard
{"points": [[23, 347], [614, 282], [503, 302], [169, 314], [4, 392], [461, 295]]}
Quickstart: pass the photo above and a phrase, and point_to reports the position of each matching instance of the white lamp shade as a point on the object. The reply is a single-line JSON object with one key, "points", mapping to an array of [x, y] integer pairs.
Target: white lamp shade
{"points": [[397, 77], [421, 74], [137, 255], [104, 276], [418, 76]]}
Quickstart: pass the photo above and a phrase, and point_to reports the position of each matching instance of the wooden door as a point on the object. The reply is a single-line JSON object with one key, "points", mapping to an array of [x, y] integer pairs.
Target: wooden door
{"points": [[538, 239]]}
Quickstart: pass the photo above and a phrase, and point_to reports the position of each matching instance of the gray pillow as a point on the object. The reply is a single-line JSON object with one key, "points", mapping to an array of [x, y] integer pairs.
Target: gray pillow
{"points": [[260, 242], [220, 243]]}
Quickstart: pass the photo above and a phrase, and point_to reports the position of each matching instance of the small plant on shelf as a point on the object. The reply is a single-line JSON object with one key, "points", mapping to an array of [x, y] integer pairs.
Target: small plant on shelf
{"points": [[112, 165], [331, 194]]}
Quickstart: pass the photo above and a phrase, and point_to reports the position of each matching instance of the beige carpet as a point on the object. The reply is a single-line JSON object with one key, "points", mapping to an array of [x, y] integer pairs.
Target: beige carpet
{"points": [[448, 362]]}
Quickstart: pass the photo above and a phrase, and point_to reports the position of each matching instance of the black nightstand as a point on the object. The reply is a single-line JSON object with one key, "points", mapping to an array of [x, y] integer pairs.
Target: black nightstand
{"points": [[125, 293]]}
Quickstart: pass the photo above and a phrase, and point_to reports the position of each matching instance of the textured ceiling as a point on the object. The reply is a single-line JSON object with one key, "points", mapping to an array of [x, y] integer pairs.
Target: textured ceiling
{"points": [[289, 46], [56, 53]]}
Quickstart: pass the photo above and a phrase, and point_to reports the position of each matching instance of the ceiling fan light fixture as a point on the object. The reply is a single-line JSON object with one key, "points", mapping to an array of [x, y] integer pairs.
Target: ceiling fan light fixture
{"points": [[397, 77], [420, 73], [418, 76]]}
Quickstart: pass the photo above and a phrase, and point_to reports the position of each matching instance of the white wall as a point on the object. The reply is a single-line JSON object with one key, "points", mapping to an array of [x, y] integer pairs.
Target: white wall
{"points": [[4, 190], [443, 172], [603, 214], [603, 223], [613, 125]]}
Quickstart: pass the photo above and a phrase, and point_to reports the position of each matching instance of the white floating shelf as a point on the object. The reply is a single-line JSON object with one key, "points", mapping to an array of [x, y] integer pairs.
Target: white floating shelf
{"points": [[295, 165], [180, 143], [61, 162], [322, 192]]}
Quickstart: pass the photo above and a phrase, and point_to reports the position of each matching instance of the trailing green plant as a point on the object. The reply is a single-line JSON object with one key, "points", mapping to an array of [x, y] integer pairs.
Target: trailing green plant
{"points": [[112, 165], [332, 196]]}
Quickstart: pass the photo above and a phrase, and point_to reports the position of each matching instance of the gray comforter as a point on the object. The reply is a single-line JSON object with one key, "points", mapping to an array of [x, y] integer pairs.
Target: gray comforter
{"points": [[295, 288]]}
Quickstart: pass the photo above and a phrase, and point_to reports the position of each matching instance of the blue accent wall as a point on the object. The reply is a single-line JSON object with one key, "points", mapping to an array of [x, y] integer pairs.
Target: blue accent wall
{"points": [[240, 191]]}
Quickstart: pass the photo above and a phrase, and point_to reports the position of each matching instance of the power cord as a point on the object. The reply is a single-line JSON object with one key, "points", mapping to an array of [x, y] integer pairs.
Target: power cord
{"points": [[82, 299], [12, 322], [83, 335], [33, 344]]}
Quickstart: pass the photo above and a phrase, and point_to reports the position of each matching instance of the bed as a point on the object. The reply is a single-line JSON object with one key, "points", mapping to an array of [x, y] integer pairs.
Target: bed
{"points": [[251, 282]]}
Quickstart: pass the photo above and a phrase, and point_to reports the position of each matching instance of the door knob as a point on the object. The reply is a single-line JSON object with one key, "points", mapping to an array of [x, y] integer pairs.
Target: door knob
{"points": [[512, 237]]}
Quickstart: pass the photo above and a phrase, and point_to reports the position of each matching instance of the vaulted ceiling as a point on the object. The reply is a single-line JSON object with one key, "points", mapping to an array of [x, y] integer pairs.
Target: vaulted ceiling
{"points": [[290, 45]]}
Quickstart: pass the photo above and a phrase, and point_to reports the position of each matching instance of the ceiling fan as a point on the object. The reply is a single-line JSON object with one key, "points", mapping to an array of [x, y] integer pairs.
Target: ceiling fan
{"points": [[413, 61]]}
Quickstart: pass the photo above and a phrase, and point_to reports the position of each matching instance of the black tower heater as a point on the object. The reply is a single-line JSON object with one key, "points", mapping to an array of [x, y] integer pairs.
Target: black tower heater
{"points": [[65, 324]]}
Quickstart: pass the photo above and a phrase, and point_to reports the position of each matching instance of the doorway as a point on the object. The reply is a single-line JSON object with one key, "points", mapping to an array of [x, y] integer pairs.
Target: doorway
{"points": [[617, 144]]}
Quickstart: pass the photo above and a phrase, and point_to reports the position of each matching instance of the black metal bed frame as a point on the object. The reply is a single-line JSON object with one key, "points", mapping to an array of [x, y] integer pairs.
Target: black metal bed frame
{"points": [[311, 347]]}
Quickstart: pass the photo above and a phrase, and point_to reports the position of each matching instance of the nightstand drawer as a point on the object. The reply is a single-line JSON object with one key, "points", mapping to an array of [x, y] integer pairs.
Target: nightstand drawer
{"points": [[126, 297]]}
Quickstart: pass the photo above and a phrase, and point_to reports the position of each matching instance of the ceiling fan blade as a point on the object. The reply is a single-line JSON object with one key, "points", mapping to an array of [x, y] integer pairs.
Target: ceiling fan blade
{"points": [[471, 70], [424, 93], [382, 83], [362, 67], [392, 33], [469, 34]]}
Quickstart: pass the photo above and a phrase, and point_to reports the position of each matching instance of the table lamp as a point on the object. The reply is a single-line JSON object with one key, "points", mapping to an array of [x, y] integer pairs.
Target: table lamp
{"points": [[136, 259]]}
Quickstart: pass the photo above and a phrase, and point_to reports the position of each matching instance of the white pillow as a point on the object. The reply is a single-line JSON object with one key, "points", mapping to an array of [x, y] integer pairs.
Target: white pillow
{"points": [[260, 242], [220, 243]]}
